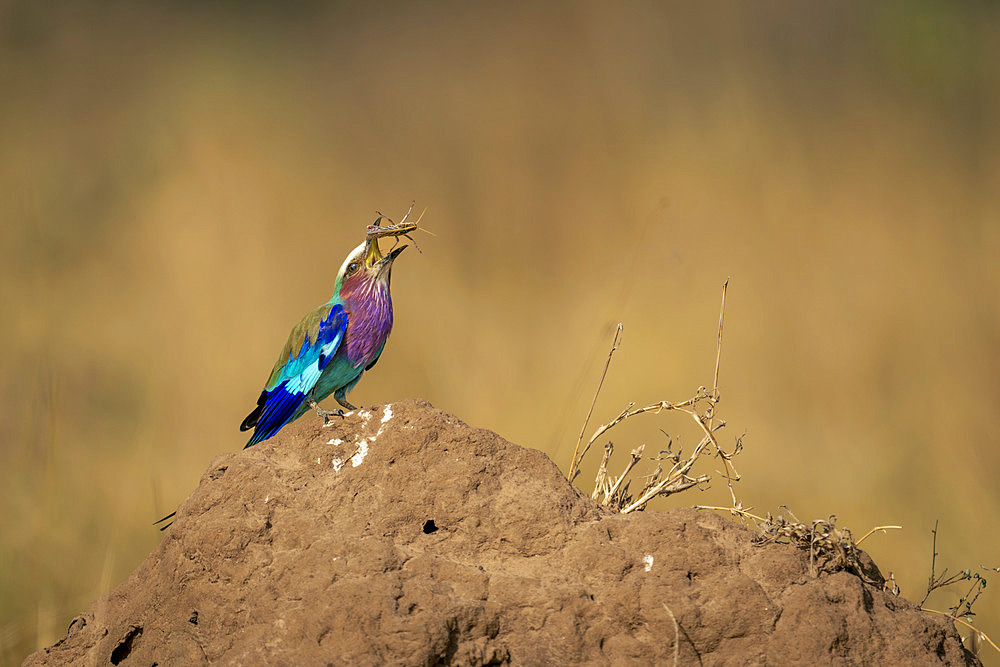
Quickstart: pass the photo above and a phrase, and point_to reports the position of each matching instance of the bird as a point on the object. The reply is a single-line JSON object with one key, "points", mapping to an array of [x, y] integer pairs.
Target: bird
{"points": [[330, 348]]}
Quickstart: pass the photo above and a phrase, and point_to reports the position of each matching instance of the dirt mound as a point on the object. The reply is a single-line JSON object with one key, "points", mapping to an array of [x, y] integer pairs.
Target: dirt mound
{"points": [[401, 535]]}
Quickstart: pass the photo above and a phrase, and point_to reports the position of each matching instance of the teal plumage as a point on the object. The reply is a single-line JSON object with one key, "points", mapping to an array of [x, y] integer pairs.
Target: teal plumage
{"points": [[307, 354], [332, 346]]}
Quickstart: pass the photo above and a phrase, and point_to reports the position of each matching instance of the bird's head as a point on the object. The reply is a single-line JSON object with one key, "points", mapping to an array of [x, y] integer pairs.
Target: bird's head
{"points": [[365, 266]]}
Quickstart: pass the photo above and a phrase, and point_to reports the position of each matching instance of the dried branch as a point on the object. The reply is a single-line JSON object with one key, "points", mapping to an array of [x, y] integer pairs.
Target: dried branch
{"points": [[602, 472], [677, 635], [880, 529], [718, 346], [635, 458], [575, 465], [961, 612], [935, 582], [735, 511], [701, 407]]}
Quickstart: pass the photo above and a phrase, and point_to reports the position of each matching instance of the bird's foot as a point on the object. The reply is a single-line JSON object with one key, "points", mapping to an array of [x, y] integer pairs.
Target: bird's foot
{"points": [[326, 414]]}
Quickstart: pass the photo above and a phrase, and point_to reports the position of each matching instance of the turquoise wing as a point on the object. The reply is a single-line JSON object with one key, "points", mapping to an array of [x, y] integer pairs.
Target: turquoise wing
{"points": [[308, 350]]}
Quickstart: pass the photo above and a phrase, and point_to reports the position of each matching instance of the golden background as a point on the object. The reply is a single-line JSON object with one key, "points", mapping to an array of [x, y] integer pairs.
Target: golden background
{"points": [[180, 181]]}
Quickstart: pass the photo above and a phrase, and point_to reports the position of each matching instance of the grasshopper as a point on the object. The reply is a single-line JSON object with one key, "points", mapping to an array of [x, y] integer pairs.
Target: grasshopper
{"points": [[395, 230]]}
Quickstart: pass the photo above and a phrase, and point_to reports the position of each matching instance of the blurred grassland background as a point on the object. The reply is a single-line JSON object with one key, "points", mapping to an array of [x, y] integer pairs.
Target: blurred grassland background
{"points": [[179, 182]]}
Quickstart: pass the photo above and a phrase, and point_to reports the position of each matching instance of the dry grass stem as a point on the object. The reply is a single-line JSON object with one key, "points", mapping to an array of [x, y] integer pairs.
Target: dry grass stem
{"points": [[677, 635], [943, 580], [665, 488], [602, 472], [879, 529], [635, 458], [962, 611], [830, 548], [577, 456], [735, 511], [675, 481], [702, 408], [718, 343]]}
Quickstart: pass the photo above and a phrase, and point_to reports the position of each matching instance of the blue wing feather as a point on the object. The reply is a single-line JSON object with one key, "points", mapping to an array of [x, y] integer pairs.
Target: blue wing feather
{"points": [[294, 376]]}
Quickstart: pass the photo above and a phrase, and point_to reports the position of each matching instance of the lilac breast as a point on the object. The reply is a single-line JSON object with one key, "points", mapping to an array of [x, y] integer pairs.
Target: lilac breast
{"points": [[369, 322]]}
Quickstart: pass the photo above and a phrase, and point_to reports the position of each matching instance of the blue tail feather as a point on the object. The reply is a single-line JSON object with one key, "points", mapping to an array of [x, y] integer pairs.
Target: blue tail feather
{"points": [[278, 411]]}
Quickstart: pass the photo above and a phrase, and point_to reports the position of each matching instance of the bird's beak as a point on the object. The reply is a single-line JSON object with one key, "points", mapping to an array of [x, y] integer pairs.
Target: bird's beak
{"points": [[373, 256], [391, 257]]}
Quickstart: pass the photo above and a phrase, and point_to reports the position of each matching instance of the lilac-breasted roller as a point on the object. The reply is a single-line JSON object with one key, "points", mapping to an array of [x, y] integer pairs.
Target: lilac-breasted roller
{"points": [[332, 346]]}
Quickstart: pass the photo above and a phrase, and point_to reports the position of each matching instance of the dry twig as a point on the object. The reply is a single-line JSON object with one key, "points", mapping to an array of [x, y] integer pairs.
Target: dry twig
{"points": [[677, 635], [701, 407], [935, 582], [575, 466], [610, 493], [880, 529], [961, 612], [602, 472]]}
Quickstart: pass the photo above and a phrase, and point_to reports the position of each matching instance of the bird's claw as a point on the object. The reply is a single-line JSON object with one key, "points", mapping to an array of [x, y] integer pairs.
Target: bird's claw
{"points": [[326, 414]]}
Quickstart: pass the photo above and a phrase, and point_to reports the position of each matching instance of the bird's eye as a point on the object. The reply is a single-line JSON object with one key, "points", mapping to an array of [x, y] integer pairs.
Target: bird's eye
{"points": [[352, 267]]}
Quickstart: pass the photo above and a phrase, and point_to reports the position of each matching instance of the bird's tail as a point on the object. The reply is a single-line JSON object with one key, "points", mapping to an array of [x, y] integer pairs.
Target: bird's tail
{"points": [[252, 418], [259, 435]]}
